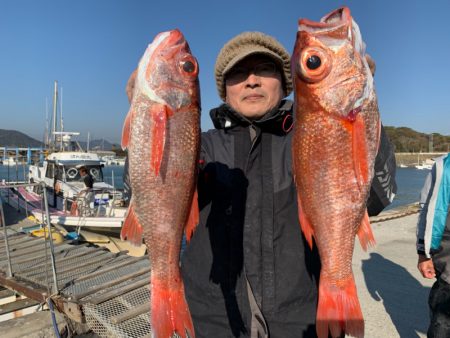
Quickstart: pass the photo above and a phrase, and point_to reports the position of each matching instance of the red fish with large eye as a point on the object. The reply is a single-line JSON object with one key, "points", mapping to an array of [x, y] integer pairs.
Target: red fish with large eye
{"points": [[162, 135], [336, 136]]}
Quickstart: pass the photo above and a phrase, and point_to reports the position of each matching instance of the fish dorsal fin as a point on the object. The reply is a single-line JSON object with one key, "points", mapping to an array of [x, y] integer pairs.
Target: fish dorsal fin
{"points": [[193, 217], [306, 226], [131, 229], [365, 234], [126, 131]]}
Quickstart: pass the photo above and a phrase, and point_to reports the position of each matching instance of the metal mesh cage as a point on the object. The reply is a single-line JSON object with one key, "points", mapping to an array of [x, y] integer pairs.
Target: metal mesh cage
{"points": [[102, 318]]}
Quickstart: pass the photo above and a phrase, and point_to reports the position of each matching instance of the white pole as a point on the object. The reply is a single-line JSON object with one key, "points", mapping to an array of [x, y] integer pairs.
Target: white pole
{"points": [[61, 120], [55, 95]]}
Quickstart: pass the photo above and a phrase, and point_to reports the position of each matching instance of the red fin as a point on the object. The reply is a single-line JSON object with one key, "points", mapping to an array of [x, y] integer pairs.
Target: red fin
{"points": [[307, 229], [360, 151], [193, 218], [169, 311], [131, 228], [338, 309], [126, 130], [159, 117], [365, 234]]}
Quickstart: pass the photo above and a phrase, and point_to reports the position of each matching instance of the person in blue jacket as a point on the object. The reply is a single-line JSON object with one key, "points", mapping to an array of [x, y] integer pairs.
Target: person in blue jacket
{"points": [[433, 244]]}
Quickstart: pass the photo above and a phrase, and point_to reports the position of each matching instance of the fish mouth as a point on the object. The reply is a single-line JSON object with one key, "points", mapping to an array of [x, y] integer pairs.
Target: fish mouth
{"points": [[175, 37], [332, 21]]}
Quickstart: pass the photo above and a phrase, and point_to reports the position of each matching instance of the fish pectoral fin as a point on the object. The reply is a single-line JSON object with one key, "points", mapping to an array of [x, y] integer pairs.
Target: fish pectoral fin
{"points": [[159, 115], [126, 130], [360, 160], [365, 234], [306, 226], [338, 309], [131, 228], [193, 218], [169, 310]]}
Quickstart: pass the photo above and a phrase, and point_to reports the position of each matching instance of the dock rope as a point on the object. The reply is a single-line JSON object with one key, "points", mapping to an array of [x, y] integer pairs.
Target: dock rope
{"points": [[399, 212]]}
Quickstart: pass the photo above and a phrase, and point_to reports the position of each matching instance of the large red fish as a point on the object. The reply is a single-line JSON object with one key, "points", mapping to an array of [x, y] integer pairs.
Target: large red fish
{"points": [[162, 135], [335, 143]]}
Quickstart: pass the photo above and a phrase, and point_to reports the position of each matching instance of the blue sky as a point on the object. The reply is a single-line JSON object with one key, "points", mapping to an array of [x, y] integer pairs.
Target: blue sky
{"points": [[91, 47]]}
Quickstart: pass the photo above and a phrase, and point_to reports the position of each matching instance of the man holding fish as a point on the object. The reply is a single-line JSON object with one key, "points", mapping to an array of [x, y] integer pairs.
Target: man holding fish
{"points": [[248, 264], [248, 269]]}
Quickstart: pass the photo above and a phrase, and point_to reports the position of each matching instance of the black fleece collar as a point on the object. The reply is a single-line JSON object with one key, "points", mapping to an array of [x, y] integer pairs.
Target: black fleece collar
{"points": [[277, 121]]}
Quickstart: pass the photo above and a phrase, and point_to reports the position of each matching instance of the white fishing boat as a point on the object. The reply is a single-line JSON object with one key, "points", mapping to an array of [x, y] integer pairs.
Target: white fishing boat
{"points": [[100, 209], [10, 161], [103, 207], [427, 165]]}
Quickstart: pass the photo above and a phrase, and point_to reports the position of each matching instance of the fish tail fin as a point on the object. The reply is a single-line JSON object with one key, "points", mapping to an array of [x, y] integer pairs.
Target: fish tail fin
{"points": [[131, 229], [307, 228], [338, 309], [365, 234], [159, 115], [193, 218], [126, 130], [169, 311], [360, 160]]}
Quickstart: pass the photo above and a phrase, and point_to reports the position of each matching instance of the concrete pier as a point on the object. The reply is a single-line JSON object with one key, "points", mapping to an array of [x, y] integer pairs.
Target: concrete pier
{"points": [[412, 159], [393, 294]]}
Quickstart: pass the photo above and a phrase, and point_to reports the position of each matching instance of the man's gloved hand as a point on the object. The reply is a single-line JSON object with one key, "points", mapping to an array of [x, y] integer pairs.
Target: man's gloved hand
{"points": [[130, 85], [371, 64]]}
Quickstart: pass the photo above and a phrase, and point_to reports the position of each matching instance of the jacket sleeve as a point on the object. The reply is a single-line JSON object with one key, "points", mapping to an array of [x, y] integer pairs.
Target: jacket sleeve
{"points": [[126, 183], [425, 196], [383, 187]]}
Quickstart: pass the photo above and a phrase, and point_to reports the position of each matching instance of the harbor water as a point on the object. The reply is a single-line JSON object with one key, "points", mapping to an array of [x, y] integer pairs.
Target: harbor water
{"points": [[409, 180]]}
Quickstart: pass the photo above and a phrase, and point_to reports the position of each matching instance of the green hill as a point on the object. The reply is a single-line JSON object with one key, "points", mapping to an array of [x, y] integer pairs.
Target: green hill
{"points": [[14, 138], [407, 140]]}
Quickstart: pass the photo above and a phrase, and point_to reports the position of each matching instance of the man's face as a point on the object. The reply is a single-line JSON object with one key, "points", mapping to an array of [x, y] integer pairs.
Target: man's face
{"points": [[254, 86]]}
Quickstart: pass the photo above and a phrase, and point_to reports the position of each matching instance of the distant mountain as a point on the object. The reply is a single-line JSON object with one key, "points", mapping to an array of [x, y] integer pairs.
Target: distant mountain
{"points": [[407, 140], [14, 138]]}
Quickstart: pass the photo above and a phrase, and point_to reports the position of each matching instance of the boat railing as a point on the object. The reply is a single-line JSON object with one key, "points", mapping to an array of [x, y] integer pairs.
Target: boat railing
{"points": [[84, 201], [47, 230]]}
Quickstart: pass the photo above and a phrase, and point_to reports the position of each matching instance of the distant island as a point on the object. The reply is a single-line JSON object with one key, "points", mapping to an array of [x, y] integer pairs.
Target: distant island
{"points": [[14, 138], [404, 139], [407, 140]]}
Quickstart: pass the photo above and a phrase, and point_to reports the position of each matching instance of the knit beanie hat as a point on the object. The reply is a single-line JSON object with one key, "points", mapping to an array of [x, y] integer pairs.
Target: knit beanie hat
{"points": [[246, 44]]}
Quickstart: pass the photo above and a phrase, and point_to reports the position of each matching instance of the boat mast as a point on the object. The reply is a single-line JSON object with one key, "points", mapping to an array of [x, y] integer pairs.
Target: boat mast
{"points": [[55, 95], [61, 126], [46, 124]]}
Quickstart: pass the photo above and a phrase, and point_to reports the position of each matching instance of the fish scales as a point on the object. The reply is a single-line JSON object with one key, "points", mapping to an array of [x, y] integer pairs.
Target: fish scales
{"points": [[168, 196], [336, 137], [162, 135]]}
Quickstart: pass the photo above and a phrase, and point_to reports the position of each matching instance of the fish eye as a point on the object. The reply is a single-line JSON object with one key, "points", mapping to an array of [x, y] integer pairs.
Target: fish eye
{"points": [[313, 62], [188, 66]]}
